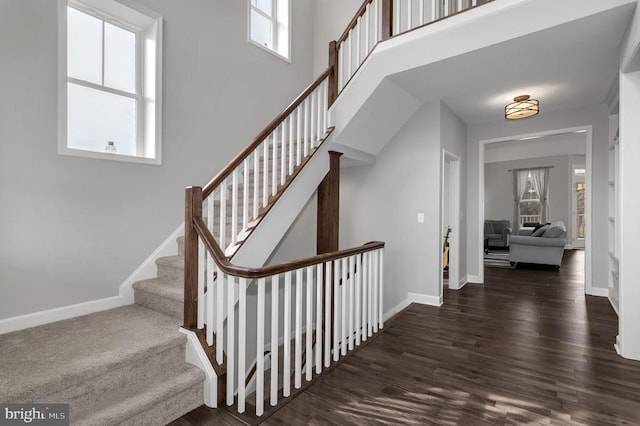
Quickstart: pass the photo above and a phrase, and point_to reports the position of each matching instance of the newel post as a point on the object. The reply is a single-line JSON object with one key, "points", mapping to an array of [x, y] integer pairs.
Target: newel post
{"points": [[387, 19], [333, 77], [328, 219], [193, 208]]}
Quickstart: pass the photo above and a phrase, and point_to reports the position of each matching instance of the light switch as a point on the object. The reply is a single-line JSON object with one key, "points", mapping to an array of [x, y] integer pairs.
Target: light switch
{"points": [[420, 217]]}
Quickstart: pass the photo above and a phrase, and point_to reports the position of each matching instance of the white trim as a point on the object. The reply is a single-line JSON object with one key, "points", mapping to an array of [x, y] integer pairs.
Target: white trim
{"points": [[424, 299], [454, 212], [613, 305], [393, 311], [588, 286], [196, 356], [598, 291], [148, 268], [462, 282], [22, 322], [277, 22], [476, 279]]}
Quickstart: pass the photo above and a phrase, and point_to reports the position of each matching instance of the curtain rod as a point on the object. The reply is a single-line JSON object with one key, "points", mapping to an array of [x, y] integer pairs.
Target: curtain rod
{"points": [[530, 168]]}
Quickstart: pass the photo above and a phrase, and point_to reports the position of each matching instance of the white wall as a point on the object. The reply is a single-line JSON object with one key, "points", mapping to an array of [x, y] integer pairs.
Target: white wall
{"points": [[498, 188], [381, 202], [73, 228], [596, 116], [549, 146]]}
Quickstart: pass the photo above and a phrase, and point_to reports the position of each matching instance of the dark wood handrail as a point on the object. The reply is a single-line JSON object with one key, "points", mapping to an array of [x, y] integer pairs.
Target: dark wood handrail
{"points": [[266, 271], [354, 21], [226, 172]]}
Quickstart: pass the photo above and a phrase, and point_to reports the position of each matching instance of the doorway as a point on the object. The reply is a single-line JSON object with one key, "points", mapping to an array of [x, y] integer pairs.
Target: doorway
{"points": [[578, 190], [450, 222]]}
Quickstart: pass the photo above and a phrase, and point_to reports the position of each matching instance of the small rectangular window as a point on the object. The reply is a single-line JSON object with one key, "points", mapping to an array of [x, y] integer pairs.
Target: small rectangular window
{"points": [[269, 26], [110, 87]]}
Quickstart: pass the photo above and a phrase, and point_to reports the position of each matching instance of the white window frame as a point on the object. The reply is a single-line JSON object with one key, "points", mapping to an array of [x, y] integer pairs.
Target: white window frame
{"points": [[280, 28], [148, 84]]}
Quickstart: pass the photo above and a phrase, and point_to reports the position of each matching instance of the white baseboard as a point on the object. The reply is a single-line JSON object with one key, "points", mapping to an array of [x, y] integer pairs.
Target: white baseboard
{"points": [[148, 268], [617, 346], [391, 312], [613, 305], [195, 355], [125, 294], [424, 299], [462, 282], [474, 279], [597, 291], [21, 322]]}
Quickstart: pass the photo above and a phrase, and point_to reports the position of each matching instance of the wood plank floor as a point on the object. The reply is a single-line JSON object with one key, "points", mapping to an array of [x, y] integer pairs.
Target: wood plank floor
{"points": [[526, 348]]}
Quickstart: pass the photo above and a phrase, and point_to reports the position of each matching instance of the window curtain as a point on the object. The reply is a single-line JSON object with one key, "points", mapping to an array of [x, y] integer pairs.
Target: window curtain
{"points": [[520, 178], [540, 180]]}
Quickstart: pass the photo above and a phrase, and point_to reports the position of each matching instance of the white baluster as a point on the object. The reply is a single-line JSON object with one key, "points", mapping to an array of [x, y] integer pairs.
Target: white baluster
{"points": [[245, 196], [286, 369], [256, 181], [341, 67], [376, 21], [210, 302], [351, 281], [319, 300], [336, 295], [376, 292], [223, 214], [380, 286], [325, 108], [309, 307], [409, 14], [447, 9], [474, 3], [220, 283], [299, 113], [358, 28], [435, 9], [274, 166], [231, 336], [265, 172], [307, 128], [292, 142], [319, 130], [242, 343], [460, 5], [234, 206], [367, 29], [343, 306], [275, 282], [369, 296], [349, 57], [358, 276], [327, 314], [283, 151], [420, 12], [260, 349], [365, 282], [396, 17], [201, 279], [298, 341], [312, 121]]}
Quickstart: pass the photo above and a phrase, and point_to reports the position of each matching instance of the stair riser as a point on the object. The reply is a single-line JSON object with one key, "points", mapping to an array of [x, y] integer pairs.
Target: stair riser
{"points": [[166, 305], [83, 397]]}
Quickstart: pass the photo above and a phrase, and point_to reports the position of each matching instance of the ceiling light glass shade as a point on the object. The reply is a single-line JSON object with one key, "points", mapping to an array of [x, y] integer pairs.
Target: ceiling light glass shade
{"points": [[522, 107]]}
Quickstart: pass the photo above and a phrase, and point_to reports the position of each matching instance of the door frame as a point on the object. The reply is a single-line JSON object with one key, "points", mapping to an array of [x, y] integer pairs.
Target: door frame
{"points": [[454, 212], [574, 204]]}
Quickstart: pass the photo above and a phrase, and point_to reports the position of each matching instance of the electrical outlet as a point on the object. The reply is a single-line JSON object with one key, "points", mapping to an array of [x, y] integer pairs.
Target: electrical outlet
{"points": [[420, 217]]}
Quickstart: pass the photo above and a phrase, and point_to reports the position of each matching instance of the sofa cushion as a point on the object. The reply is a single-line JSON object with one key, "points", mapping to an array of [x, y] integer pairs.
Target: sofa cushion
{"points": [[538, 242], [540, 231], [488, 227], [555, 230]]}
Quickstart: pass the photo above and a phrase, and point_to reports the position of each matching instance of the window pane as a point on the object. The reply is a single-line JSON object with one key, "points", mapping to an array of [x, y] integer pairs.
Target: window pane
{"points": [[264, 5], [95, 117], [261, 29], [119, 58], [84, 46]]}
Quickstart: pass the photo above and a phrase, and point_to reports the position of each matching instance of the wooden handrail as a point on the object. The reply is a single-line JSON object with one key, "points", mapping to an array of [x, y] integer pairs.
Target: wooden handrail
{"points": [[354, 21], [224, 173], [266, 271]]}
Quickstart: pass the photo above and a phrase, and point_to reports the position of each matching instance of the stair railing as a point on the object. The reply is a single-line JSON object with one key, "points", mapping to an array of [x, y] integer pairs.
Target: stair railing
{"points": [[379, 20], [327, 289]]}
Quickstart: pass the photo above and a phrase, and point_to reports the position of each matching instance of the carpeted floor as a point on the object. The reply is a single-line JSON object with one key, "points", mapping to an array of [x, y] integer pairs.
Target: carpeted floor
{"points": [[497, 259]]}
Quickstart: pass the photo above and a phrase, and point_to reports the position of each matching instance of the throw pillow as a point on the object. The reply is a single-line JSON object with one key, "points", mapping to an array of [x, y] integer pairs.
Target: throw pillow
{"points": [[540, 225], [553, 232], [538, 232]]}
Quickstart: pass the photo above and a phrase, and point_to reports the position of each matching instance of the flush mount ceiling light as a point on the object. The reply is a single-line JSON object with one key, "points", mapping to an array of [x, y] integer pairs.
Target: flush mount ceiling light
{"points": [[522, 107]]}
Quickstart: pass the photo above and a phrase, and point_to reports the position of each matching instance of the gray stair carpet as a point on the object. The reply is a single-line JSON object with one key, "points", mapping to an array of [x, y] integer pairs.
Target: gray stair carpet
{"points": [[120, 366]]}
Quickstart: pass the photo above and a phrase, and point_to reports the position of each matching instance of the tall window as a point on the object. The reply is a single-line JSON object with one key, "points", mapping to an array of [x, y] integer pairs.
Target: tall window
{"points": [[111, 91], [269, 25], [530, 204]]}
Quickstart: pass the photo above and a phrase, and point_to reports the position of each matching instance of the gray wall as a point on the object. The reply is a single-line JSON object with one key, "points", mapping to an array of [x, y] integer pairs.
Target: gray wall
{"points": [[596, 116], [74, 228], [498, 188], [330, 19]]}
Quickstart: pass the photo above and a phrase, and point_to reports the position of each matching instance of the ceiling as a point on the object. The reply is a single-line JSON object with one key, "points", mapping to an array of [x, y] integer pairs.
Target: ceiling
{"points": [[567, 66]]}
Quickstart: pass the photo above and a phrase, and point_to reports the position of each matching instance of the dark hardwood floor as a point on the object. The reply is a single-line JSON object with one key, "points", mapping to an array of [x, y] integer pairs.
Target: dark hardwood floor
{"points": [[528, 347]]}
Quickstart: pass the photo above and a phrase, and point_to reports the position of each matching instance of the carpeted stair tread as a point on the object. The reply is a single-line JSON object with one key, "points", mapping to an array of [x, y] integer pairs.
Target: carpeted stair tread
{"points": [[161, 288], [39, 361], [172, 261], [152, 395]]}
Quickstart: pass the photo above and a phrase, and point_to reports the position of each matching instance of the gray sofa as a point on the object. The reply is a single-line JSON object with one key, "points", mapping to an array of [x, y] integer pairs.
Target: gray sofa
{"points": [[498, 232], [545, 246]]}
